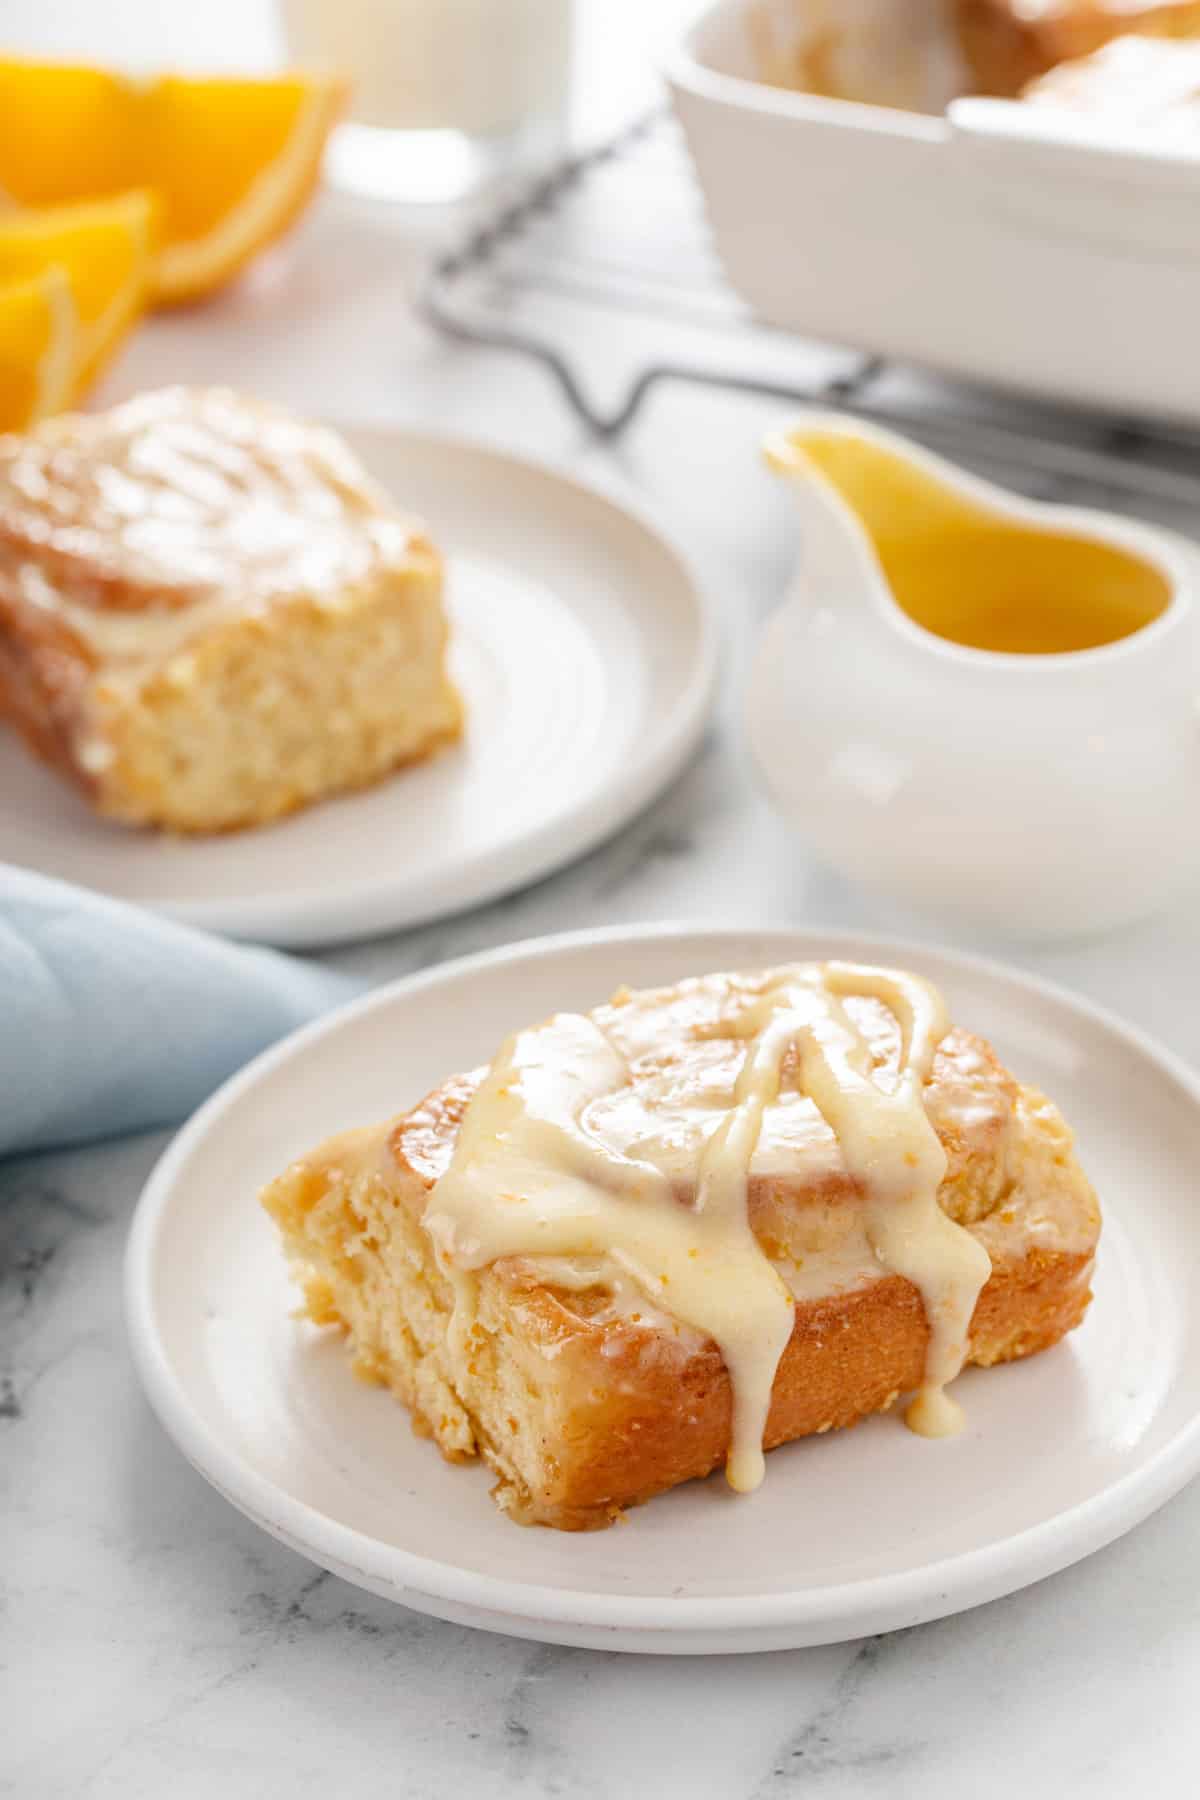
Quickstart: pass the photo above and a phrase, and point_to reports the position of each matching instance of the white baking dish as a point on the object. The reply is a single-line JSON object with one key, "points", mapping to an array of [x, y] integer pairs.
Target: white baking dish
{"points": [[999, 241]]}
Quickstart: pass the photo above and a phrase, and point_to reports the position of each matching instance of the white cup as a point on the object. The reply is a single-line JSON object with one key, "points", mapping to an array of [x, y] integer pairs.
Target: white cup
{"points": [[447, 93]]}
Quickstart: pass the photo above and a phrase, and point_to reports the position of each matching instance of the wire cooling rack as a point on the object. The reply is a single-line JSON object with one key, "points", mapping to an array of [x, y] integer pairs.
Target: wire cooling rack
{"points": [[618, 231]]}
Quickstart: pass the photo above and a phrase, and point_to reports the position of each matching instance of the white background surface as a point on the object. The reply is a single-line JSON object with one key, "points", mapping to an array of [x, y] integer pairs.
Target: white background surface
{"points": [[154, 1641]]}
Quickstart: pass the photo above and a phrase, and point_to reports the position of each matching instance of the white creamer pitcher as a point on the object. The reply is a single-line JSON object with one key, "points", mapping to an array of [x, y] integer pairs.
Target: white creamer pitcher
{"points": [[983, 705]]}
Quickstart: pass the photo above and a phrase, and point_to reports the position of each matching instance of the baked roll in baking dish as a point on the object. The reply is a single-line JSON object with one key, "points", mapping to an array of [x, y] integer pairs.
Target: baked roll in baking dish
{"points": [[919, 55], [210, 615], [693, 1224], [877, 52], [1141, 83], [1009, 43]]}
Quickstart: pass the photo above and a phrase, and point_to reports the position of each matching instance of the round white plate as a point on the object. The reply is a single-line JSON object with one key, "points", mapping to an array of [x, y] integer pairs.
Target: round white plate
{"points": [[585, 656], [852, 1533]]}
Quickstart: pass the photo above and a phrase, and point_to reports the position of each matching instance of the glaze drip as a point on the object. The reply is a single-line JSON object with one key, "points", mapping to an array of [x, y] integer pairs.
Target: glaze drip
{"points": [[529, 1178]]}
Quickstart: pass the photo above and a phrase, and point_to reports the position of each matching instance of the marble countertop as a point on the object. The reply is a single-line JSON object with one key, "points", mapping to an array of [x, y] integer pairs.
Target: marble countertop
{"points": [[153, 1641]]}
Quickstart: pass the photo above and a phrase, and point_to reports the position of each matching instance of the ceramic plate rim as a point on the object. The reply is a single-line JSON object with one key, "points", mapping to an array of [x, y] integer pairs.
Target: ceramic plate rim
{"points": [[670, 739], [711, 1624]]}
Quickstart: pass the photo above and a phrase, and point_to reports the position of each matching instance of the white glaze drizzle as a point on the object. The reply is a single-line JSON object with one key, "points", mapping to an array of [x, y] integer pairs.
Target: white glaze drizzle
{"points": [[189, 506], [528, 1178]]}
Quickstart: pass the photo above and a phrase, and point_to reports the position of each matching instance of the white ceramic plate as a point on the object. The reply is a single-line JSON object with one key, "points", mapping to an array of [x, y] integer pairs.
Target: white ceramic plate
{"points": [[585, 656], [852, 1533]]}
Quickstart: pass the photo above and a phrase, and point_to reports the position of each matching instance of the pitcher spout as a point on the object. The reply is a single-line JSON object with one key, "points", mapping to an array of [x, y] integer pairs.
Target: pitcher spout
{"points": [[965, 562], [839, 565]]}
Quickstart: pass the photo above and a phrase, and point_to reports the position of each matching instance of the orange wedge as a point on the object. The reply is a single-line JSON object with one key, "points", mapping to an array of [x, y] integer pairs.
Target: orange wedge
{"points": [[64, 133], [106, 249], [37, 349], [233, 161]]}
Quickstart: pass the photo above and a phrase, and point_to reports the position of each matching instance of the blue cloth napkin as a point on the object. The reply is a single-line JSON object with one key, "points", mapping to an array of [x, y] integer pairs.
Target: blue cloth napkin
{"points": [[114, 1020]]}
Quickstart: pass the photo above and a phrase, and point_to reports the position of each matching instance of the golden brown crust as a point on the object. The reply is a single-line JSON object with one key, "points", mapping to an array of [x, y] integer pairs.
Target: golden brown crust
{"points": [[642, 1411], [642, 1424], [584, 1407]]}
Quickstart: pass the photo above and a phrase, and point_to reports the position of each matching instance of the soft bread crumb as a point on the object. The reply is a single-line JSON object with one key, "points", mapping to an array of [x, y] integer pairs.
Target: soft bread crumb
{"points": [[279, 711]]}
